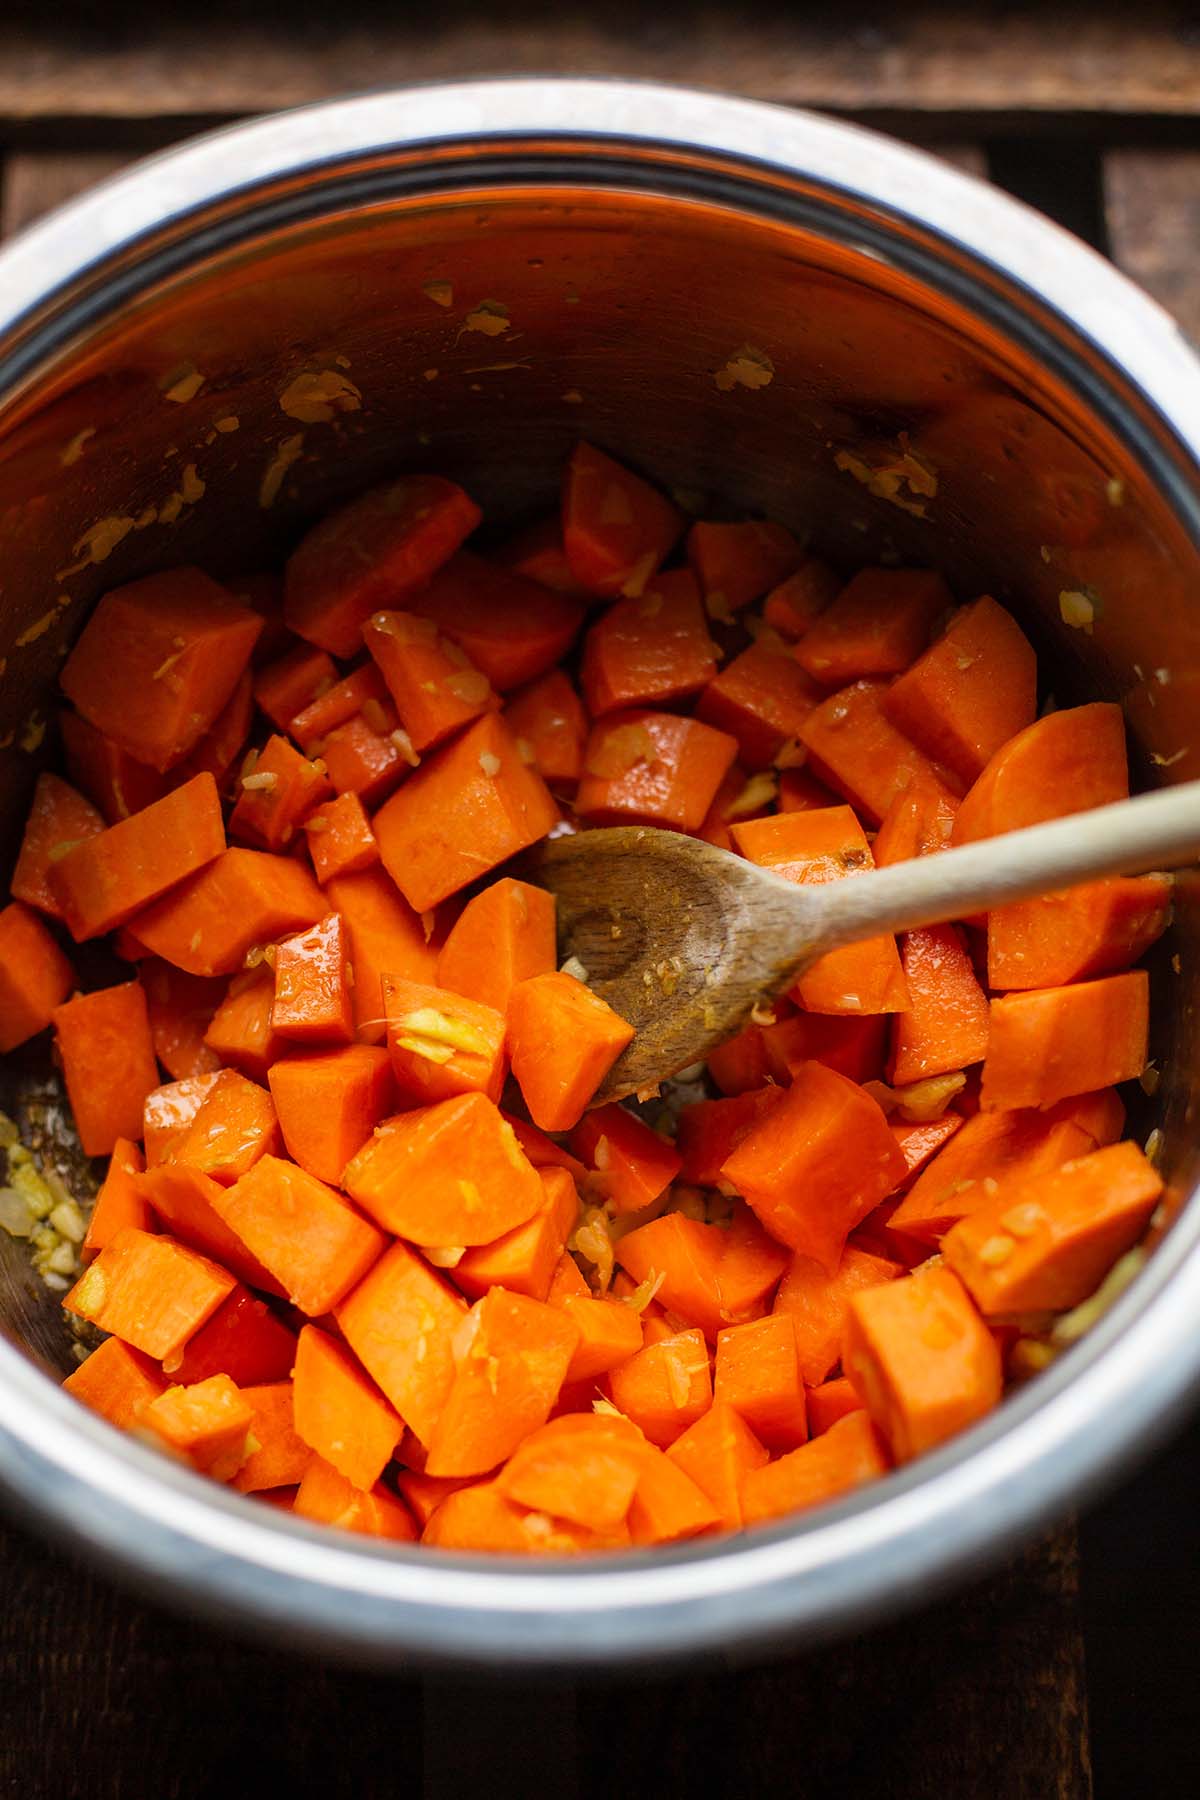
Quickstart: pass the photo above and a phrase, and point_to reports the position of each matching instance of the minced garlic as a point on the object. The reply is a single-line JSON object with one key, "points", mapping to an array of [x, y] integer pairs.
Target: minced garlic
{"points": [[446, 1257], [436, 1036], [1077, 609], [1070, 1326], [619, 750], [1023, 1221], [592, 1239], [404, 745], [644, 1292], [469, 686]]}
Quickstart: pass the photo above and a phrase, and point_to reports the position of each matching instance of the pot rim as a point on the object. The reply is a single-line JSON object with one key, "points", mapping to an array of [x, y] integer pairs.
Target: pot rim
{"points": [[899, 1541]]}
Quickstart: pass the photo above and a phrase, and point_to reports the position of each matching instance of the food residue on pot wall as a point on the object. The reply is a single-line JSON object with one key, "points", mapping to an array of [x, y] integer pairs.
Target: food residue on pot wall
{"points": [[490, 317], [182, 384], [747, 367], [287, 452], [72, 451], [315, 396]]}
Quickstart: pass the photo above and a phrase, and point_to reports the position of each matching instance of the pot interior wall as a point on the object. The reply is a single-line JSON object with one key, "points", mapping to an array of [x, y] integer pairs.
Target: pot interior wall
{"points": [[749, 363]]}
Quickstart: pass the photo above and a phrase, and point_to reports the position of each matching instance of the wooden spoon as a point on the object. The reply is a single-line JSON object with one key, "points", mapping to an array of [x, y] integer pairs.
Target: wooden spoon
{"points": [[685, 940]]}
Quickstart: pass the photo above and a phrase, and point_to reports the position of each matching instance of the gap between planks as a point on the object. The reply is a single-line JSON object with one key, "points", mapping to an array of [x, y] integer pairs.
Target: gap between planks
{"points": [[974, 55]]}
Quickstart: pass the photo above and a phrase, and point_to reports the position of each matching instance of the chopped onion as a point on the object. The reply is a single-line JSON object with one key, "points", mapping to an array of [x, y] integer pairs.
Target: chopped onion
{"points": [[16, 1215]]}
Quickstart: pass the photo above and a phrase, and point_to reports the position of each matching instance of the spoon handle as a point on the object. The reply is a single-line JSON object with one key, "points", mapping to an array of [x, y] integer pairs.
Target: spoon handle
{"points": [[1154, 831]]}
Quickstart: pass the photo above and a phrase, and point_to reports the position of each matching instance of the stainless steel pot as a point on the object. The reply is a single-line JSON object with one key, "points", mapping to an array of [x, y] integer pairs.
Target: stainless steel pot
{"points": [[763, 309]]}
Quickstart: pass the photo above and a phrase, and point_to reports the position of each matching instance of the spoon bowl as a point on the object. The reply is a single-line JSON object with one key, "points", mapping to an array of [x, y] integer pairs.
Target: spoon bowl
{"points": [[685, 941]]}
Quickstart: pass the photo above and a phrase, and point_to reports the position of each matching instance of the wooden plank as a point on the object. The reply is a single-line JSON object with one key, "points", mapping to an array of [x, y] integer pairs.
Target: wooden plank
{"points": [[980, 1697], [864, 56], [33, 182], [972, 159], [1140, 1592], [1152, 201], [108, 1698], [490, 1740]]}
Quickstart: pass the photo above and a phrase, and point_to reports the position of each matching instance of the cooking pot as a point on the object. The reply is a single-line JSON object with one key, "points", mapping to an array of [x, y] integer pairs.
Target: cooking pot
{"points": [[763, 310]]}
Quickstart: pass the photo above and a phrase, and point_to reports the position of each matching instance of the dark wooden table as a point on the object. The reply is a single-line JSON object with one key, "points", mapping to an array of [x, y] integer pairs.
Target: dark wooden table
{"points": [[1068, 1673], [109, 1699]]}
